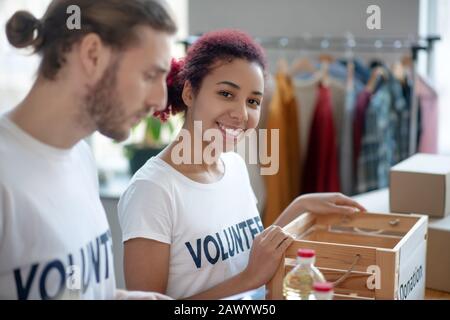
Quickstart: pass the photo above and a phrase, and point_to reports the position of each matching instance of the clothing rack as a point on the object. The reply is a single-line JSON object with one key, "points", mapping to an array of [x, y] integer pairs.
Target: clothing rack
{"points": [[350, 45]]}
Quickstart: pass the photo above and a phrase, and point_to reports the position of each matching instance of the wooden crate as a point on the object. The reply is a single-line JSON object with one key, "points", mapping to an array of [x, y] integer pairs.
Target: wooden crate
{"points": [[367, 255]]}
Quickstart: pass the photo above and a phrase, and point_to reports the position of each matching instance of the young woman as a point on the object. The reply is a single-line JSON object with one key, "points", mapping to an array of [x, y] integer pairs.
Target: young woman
{"points": [[192, 230]]}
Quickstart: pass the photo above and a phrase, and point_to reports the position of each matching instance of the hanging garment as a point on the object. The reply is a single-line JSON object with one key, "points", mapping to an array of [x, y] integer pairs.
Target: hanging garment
{"points": [[321, 167], [362, 72], [377, 145], [428, 101], [306, 92], [400, 118], [284, 186], [362, 102], [346, 167]]}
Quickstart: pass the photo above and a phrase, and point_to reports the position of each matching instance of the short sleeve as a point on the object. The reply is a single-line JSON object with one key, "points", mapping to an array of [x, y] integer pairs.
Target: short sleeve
{"points": [[6, 212], [145, 211]]}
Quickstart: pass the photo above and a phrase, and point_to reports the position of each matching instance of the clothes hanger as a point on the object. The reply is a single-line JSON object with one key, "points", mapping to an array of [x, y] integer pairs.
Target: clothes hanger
{"points": [[282, 64], [302, 64]]}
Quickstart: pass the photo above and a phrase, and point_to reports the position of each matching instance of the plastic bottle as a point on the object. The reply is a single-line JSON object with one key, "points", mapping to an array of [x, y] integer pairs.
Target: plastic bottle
{"points": [[323, 290], [298, 283]]}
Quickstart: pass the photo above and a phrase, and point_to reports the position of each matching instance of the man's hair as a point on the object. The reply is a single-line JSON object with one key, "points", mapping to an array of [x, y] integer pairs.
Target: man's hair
{"points": [[113, 20]]}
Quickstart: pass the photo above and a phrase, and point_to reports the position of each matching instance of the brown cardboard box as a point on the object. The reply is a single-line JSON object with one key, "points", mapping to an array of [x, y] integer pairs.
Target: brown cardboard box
{"points": [[438, 255], [421, 184]]}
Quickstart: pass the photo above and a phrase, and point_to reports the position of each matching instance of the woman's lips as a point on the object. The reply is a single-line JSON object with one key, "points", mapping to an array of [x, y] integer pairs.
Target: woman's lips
{"points": [[230, 133]]}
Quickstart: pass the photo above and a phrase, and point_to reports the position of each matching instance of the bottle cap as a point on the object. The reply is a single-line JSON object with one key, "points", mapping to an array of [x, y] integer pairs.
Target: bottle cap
{"points": [[306, 253], [323, 286]]}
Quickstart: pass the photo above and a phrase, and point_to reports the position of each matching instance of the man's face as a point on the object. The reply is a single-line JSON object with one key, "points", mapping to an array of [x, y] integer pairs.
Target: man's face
{"points": [[133, 86]]}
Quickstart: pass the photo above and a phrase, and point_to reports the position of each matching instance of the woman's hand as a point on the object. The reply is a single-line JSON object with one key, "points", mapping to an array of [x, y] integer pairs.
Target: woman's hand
{"points": [[319, 203], [323, 203], [265, 256]]}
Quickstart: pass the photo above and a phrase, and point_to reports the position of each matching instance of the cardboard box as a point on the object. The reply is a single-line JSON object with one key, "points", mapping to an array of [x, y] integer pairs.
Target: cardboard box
{"points": [[421, 184], [438, 255]]}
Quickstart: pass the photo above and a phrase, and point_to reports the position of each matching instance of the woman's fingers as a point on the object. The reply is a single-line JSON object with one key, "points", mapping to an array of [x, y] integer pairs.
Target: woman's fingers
{"points": [[278, 239], [273, 230], [345, 201], [260, 237], [343, 210], [285, 244]]}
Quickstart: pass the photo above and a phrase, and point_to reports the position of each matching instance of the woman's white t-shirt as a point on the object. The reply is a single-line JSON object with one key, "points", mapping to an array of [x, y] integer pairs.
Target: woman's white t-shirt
{"points": [[210, 227]]}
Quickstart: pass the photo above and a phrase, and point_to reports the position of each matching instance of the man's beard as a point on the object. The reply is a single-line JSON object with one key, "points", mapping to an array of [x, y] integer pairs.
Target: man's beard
{"points": [[104, 106]]}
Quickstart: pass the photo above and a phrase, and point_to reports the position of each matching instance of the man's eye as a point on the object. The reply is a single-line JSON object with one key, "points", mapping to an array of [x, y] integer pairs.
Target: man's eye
{"points": [[149, 76]]}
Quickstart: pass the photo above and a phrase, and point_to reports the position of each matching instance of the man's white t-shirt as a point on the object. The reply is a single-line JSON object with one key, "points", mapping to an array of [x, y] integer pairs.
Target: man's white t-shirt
{"points": [[210, 227], [55, 241]]}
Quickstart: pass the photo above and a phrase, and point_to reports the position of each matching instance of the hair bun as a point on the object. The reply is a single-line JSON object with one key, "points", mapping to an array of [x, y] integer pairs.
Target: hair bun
{"points": [[20, 30]]}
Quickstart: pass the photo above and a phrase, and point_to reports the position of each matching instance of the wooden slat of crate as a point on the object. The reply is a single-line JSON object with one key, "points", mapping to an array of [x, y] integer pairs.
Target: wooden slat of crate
{"points": [[338, 296], [301, 224], [387, 261], [370, 221], [336, 256], [352, 238]]}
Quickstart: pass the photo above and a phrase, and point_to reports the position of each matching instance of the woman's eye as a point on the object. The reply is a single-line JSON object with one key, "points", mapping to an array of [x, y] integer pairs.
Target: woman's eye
{"points": [[225, 94], [254, 102]]}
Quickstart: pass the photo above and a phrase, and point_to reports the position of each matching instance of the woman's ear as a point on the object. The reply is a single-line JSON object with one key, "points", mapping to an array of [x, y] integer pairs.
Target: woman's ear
{"points": [[188, 94]]}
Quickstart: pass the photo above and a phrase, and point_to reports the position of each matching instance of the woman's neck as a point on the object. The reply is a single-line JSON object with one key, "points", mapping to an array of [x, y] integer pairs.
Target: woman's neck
{"points": [[200, 168]]}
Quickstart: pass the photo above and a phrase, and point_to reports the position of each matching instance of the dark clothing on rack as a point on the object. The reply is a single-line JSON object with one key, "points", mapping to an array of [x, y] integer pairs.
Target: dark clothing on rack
{"points": [[377, 146], [400, 120], [321, 172], [362, 73], [362, 101]]}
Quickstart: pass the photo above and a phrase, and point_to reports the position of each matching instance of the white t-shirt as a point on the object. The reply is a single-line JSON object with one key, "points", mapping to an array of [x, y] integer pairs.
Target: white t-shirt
{"points": [[55, 241], [210, 227]]}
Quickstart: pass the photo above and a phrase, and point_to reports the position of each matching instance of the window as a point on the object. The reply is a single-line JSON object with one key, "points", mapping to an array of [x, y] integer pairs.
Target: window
{"points": [[442, 73], [16, 66], [434, 19]]}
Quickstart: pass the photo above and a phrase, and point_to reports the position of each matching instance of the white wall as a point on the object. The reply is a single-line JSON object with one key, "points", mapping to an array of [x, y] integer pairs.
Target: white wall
{"points": [[293, 17]]}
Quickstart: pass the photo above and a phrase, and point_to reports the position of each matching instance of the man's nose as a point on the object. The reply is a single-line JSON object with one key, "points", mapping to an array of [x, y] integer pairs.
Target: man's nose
{"points": [[157, 97]]}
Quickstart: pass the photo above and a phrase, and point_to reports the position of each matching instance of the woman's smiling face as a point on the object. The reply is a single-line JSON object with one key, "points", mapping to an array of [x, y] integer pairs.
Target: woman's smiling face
{"points": [[229, 99]]}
